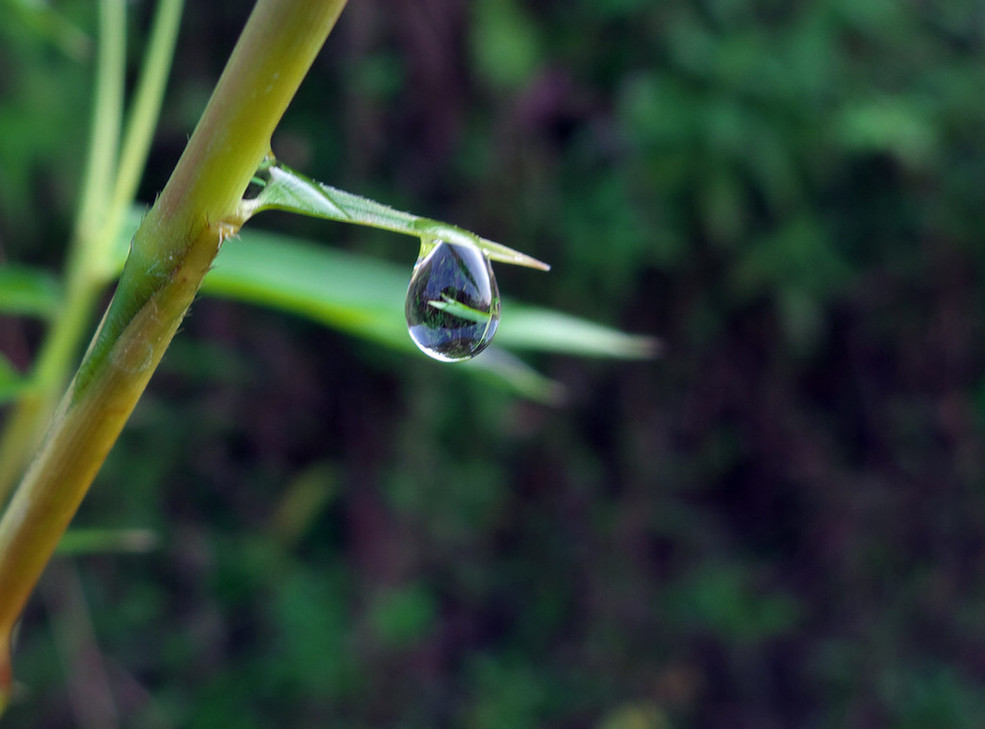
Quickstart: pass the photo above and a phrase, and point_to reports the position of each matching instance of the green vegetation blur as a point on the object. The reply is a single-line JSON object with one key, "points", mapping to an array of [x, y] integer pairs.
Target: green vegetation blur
{"points": [[780, 523]]}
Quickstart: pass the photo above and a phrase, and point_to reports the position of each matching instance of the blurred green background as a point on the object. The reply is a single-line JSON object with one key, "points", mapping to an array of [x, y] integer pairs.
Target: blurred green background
{"points": [[781, 523]]}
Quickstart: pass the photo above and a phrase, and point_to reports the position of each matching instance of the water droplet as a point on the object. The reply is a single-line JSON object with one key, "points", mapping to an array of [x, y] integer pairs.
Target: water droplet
{"points": [[452, 304]]}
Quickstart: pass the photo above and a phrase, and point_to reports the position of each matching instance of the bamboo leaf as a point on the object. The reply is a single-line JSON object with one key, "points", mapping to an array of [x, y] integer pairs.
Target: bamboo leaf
{"points": [[28, 291], [365, 297], [51, 25], [80, 541], [282, 188], [546, 330]]}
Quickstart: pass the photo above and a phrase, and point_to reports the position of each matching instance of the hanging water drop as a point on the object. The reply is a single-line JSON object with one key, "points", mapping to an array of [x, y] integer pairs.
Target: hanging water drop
{"points": [[452, 304]]}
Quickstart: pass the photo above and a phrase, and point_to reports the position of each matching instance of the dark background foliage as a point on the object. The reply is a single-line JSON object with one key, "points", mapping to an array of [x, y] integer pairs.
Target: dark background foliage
{"points": [[778, 524]]}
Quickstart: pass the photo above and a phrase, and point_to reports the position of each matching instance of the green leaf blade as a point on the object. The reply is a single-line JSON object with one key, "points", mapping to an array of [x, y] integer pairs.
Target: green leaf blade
{"points": [[531, 328], [28, 291], [365, 297], [289, 190]]}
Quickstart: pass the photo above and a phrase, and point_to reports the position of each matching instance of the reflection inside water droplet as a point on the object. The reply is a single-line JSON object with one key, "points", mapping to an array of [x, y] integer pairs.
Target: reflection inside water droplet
{"points": [[452, 304]]}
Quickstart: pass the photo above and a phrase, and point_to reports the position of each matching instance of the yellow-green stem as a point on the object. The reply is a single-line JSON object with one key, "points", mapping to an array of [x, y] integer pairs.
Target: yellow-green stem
{"points": [[172, 252]]}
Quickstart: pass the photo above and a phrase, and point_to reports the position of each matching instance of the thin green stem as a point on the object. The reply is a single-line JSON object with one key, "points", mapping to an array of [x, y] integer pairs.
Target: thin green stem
{"points": [[171, 253], [25, 425], [140, 126], [102, 212], [107, 118]]}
